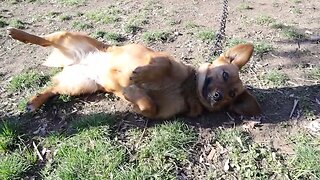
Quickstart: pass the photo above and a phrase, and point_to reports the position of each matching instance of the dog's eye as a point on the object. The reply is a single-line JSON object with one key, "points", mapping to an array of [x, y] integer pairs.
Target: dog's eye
{"points": [[225, 76], [232, 94]]}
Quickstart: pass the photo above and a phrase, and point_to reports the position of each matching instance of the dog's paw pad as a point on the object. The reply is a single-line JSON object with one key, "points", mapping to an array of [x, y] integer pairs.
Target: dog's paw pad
{"points": [[30, 108]]}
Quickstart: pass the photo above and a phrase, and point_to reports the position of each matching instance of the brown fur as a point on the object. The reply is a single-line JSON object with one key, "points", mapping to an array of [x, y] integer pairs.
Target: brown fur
{"points": [[157, 85]]}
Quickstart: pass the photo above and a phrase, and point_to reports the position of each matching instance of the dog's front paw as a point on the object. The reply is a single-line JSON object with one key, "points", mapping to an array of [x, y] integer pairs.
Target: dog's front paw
{"points": [[137, 75], [30, 107]]}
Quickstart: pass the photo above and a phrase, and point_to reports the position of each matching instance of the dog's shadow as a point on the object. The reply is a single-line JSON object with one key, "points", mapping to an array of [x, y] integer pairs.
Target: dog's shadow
{"points": [[277, 106]]}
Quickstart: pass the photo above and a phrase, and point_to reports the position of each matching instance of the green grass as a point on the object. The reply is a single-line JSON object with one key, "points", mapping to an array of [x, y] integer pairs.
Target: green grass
{"points": [[17, 24], [275, 78], [72, 2], [244, 6], [305, 162], [262, 47], [314, 73], [191, 25], [15, 157], [296, 10], [296, 1], [289, 32], [206, 35], [156, 36], [27, 80], [158, 154], [8, 134], [247, 160], [110, 36], [106, 16], [14, 165], [292, 33], [135, 23], [65, 17], [54, 14], [3, 23], [81, 25], [259, 47], [264, 20], [94, 152]]}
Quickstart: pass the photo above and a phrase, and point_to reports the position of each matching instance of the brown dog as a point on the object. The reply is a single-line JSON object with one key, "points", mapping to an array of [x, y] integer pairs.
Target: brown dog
{"points": [[157, 85]]}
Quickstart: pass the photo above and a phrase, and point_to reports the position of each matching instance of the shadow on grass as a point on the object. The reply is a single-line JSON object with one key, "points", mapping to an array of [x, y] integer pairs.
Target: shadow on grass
{"points": [[276, 105]]}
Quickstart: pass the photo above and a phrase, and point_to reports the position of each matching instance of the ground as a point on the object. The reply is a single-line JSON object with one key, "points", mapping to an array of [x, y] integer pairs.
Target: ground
{"points": [[99, 137]]}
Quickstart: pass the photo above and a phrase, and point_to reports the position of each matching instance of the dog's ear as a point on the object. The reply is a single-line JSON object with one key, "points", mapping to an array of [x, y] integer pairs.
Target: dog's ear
{"points": [[246, 104], [239, 55]]}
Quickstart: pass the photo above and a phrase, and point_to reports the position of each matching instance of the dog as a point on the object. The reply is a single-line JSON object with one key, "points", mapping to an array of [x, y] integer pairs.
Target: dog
{"points": [[157, 85]]}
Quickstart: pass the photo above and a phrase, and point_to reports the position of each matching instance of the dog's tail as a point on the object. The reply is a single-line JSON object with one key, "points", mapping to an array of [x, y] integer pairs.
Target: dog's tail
{"points": [[69, 47]]}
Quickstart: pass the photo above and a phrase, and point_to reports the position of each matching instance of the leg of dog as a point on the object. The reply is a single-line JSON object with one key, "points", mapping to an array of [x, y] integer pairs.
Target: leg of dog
{"points": [[143, 104], [158, 67], [56, 39], [71, 81]]}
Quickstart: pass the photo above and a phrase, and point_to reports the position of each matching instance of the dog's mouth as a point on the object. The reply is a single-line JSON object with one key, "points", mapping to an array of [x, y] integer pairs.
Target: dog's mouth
{"points": [[211, 96]]}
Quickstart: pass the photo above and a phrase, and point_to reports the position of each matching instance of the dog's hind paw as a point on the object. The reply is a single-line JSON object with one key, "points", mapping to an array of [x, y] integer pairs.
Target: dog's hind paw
{"points": [[30, 108], [10, 31]]}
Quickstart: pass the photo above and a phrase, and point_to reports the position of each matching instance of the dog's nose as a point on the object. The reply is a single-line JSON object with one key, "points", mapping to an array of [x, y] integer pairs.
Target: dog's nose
{"points": [[217, 96]]}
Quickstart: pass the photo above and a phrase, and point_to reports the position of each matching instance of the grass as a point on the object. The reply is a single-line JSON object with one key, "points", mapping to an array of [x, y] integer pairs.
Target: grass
{"points": [[15, 157], [262, 47], [305, 162], [106, 16], [191, 25], [314, 73], [296, 1], [72, 2], [81, 25], [264, 20], [158, 154], [288, 31], [247, 160], [3, 23], [156, 36], [296, 10], [17, 24], [135, 24], [94, 151], [244, 6], [8, 133], [259, 47], [206, 35], [65, 17], [275, 78], [14, 165], [110, 36], [27, 80]]}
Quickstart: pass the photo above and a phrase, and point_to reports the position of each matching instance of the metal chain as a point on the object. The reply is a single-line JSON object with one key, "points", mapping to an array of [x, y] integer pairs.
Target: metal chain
{"points": [[220, 36]]}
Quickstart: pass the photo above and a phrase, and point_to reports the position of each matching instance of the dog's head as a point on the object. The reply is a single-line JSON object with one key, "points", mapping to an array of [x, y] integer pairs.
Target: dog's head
{"points": [[219, 85]]}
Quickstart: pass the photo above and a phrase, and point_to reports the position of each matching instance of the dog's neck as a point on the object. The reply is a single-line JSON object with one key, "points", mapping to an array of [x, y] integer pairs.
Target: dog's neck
{"points": [[189, 87]]}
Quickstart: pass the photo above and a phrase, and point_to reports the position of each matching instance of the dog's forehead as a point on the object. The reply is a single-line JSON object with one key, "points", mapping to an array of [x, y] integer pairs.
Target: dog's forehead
{"points": [[229, 68]]}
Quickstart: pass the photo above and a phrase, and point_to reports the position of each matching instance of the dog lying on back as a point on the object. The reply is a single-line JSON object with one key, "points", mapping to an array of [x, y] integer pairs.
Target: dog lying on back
{"points": [[155, 83]]}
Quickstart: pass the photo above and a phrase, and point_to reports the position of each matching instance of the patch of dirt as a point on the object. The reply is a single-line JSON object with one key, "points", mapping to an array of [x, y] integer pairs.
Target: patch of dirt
{"points": [[292, 57]]}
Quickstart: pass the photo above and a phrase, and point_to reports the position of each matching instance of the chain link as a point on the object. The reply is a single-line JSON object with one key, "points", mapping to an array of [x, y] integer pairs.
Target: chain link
{"points": [[220, 35]]}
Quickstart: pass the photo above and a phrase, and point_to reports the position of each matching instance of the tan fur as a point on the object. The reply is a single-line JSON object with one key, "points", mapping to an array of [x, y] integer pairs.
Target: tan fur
{"points": [[157, 85]]}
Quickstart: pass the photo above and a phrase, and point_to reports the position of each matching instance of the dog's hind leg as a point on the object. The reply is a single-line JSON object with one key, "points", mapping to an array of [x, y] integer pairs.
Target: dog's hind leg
{"points": [[70, 47], [71, 81], [56, 39]]}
